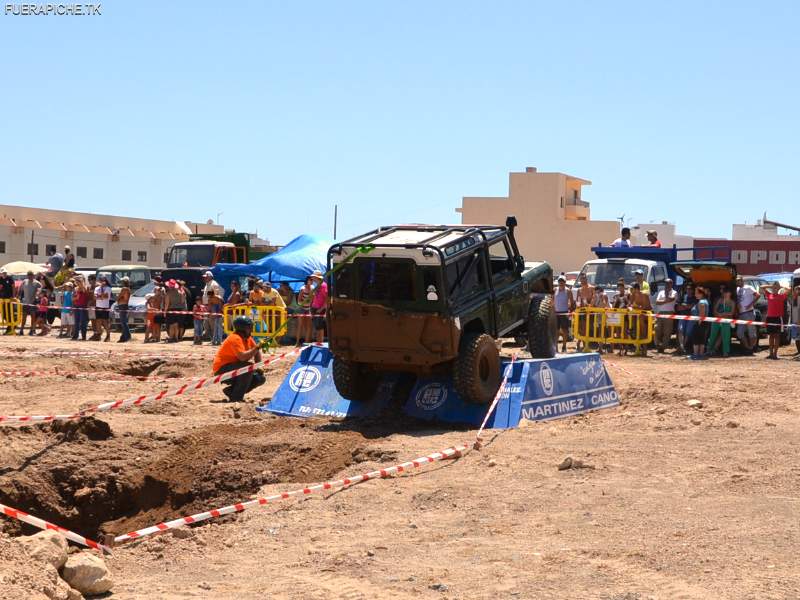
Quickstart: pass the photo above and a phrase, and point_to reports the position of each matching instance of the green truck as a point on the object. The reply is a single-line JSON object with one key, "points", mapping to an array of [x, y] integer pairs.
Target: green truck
{"points": [[433, 299]]}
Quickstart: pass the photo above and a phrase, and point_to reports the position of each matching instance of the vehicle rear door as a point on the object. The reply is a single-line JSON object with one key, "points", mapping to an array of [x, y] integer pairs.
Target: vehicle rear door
{"points": [[508, 296]]}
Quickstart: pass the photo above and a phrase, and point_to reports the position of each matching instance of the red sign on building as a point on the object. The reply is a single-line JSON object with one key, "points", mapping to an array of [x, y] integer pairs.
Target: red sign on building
{"points": [[753, 257]]}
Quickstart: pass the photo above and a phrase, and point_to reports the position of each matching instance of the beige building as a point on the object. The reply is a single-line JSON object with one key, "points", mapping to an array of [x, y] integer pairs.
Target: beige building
{"points": [[554, 221], [33, 234]]}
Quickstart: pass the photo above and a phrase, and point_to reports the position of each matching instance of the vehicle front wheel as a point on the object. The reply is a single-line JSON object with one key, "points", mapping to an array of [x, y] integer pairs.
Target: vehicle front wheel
{"points": [[542, 327], [476, 372], [353, 381]]}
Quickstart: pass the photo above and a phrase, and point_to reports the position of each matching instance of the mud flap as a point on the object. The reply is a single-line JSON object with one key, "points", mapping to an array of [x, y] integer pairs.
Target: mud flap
{"points": [[309, 391], [537, 389]]}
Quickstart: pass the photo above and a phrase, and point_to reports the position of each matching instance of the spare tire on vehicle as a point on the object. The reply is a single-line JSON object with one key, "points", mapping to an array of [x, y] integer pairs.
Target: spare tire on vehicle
{"points": [[476, 372], [542, 327]]}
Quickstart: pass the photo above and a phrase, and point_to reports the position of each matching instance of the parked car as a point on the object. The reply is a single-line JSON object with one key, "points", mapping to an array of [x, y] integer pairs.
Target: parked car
{"points": [[137, 307], [138, 276]]}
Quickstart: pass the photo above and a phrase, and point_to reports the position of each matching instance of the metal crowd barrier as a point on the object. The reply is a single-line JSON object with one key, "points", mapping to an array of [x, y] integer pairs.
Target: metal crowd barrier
{"points": [[613, 326], [268, 321], [10, 314]]}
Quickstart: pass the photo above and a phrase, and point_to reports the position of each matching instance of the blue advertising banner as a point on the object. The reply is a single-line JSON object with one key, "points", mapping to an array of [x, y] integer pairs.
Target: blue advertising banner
{"points": [[309, 391], [537, 389]]}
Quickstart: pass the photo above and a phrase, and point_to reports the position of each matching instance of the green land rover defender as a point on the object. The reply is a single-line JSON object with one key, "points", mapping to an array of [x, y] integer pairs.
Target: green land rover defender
{"points": [[433, 299]]}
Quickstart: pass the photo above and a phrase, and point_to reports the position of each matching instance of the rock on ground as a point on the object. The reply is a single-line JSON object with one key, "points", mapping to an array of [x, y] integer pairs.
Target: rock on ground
{"points": [[47, 546], [87, 573]]}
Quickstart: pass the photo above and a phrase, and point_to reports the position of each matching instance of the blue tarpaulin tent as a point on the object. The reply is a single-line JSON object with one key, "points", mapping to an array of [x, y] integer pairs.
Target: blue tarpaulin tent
{"points": [[294, 262]]}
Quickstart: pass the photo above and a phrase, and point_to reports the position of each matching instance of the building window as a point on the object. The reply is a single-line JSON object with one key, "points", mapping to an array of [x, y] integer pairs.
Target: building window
{"points": [[141, 256], [81, 251], [126, 255], [574, 194], [2, 247], [97, 253], [33, 249], [562, 201], [166, 257], [50, 249]]}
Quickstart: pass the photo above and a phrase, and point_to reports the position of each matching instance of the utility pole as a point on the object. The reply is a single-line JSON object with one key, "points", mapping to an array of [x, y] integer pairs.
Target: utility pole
{"points": [[335, 219]]}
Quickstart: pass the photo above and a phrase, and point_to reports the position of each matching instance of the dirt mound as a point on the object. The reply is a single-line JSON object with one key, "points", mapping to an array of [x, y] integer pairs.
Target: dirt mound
{"points": [[93, 482]]}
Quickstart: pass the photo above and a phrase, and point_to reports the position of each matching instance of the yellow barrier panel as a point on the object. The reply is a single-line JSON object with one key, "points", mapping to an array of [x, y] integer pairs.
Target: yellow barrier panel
{"points": [[10, 314], [613, 326], [268, 321]]}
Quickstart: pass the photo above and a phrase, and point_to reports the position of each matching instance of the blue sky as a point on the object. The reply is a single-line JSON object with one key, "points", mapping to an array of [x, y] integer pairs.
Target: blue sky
{"points": [[271, 113]]}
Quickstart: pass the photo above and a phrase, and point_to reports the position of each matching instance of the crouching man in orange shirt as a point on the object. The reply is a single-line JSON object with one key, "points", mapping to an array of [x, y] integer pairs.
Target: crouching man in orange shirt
{"points": [[239, 350]]}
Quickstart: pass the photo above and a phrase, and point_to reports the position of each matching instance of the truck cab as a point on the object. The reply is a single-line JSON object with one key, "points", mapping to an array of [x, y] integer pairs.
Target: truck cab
{"points": [[656, 265], [203, 253]]}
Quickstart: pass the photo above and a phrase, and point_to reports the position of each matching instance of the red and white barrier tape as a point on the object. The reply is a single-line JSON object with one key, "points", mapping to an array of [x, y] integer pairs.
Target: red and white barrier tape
{"points": [[47, 526], [696, 318], [131, 313], [453, 452], [183, 390], [720, 320]]}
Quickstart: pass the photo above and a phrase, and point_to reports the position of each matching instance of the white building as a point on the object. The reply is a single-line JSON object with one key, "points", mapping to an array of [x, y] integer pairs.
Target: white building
{"points": [[33, 234]]}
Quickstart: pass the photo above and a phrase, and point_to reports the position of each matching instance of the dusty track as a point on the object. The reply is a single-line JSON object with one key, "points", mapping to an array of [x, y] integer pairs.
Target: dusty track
{"points": [[681, 502]]}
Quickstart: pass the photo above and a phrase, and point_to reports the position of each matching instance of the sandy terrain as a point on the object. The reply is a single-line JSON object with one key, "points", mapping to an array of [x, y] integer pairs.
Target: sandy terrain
{"points": [[678, 502]]}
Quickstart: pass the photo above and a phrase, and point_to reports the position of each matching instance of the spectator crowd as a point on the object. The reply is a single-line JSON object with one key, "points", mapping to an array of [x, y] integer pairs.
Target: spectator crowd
{"points": [[82, 303]]}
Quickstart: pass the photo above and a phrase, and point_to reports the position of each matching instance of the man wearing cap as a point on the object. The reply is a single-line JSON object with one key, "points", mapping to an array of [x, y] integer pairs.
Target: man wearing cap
{"points": [[271, 295], [746, 298], [665, 305], [644, 287], [102, 304], [210, 285], [237, 351], [652, 238]]}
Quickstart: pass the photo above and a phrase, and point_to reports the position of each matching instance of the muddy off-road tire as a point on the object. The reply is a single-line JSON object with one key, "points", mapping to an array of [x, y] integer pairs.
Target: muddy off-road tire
{"points": [[353, 381], [542, 327], [476, 372]]}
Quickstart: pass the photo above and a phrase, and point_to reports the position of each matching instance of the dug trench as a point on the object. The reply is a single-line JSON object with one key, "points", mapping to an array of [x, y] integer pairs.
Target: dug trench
{"points": [[82, 476]]}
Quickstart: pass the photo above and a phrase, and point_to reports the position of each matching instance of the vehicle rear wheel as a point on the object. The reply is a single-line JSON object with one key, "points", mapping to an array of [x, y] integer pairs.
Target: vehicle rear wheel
{"points": [[476, 372], [542, 327], [353, 381]]}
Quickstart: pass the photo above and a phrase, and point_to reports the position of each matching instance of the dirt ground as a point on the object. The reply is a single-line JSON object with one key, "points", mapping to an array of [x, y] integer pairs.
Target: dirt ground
{"points": [[676, 502]]}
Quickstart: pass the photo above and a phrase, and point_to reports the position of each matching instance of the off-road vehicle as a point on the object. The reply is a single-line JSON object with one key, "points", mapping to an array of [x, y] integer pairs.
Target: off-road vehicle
{"points": [[432, 299]]}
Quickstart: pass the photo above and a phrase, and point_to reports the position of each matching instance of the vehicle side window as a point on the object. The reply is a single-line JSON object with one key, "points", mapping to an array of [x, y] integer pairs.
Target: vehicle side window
{"points": [[225, 254], [343, 282], [660, 273], [501, 259], [138, 278], [466, 276]]}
